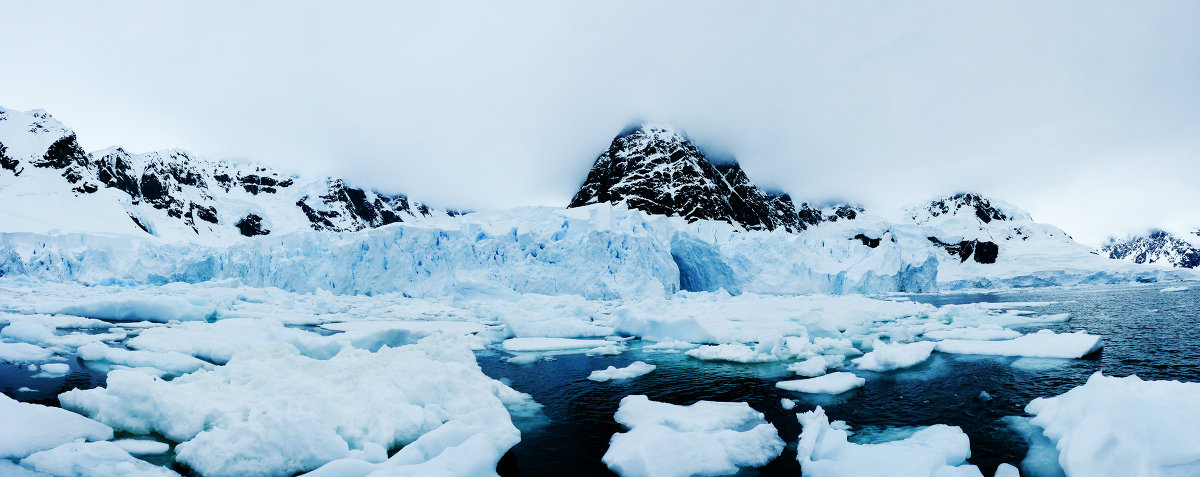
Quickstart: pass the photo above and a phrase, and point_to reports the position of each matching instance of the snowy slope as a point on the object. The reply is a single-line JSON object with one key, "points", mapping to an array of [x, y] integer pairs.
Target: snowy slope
{"points": [[1157, 247], [48, 184]]}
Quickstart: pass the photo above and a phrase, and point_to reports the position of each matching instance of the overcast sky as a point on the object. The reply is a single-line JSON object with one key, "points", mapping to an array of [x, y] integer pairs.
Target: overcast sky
{"points": [[1087, 114]]}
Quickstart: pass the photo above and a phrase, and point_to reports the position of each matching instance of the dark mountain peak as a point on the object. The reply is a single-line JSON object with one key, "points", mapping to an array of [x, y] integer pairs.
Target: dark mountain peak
{"points": [[1157, 246], [657, 169], [966, 204]]}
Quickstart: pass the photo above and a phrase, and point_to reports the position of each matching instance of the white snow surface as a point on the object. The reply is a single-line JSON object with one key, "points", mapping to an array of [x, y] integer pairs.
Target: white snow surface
{"points": [[1043, 344], [1124, 426], [892, 356], [704, 438], [832, 383], [92, 459], [824, 450], [635, 369], [413, 391], [30, 428]]}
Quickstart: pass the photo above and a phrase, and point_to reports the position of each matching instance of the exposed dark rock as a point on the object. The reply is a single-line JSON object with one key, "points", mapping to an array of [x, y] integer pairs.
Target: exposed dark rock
{"points": [[251, 225], [660, 171], [983, 251], [139, 224], [868, 241], [63, 153], [983, 208], [8, 162]]}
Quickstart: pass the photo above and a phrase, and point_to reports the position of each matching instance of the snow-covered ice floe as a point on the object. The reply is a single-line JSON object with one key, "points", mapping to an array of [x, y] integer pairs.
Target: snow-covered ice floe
{"points": [[891, 356], [635, 369], [273, 410], [705, 438], [833, 383], [1173, 289], [940, 450], [30, 428], [1043, 344], [1124, 426]]}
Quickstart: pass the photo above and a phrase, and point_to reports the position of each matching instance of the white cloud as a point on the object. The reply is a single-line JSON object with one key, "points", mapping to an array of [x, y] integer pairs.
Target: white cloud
{"points": [[1085, 113]]}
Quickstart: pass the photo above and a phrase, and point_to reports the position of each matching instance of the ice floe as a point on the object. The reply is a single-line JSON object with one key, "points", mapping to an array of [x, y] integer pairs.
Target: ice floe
{"points": [[635, 369], [833, 383], [268, 410], [92, 459], [891, 356], [705, 438], [824, 450], [1043, 344], [1124, 426], [30, 428]]}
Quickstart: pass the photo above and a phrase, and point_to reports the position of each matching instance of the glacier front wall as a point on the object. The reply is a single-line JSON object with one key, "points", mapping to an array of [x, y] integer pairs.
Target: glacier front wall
{"points": [[597, 252]]}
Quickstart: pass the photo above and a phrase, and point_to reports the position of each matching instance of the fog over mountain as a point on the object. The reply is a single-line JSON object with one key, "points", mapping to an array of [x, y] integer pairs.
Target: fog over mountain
{"points": [[1083, 113]]}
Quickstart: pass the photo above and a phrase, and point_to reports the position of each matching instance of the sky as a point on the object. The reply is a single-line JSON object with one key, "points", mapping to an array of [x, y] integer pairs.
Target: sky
{"points": [[1084, 113]]}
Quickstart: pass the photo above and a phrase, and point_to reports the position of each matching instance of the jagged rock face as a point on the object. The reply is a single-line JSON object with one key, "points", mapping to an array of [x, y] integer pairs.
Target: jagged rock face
{"points": [[252, 225], [344, 208], [810, 216], [983, 208], [1157, 247], [981, 251], [660, 171], [168, 189]]}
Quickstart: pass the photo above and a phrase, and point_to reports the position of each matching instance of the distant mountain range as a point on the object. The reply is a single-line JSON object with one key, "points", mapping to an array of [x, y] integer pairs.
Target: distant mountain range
{"points": [[49, 184], [1156, 247]]}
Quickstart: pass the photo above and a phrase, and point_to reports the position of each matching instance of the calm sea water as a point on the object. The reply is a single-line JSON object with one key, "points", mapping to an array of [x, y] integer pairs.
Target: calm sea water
{"points": [[1154, 335]]}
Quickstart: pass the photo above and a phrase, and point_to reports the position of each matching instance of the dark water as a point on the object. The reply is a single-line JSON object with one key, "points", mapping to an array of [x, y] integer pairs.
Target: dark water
{"points": [[1148, 333]]}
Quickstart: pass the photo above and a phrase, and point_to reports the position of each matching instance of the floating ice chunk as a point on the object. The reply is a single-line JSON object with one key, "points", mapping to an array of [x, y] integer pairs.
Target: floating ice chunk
{"points": [[976, 333], [372, 335], [833, 383], [131, 306], [1124, 426], [268, 410], [170, 361], [142, 446], [23, 352], [42, 332], [56, 368], [552, 344], [825, 451], [1173, 289], [219, 341], [635, 369], [787, 404], [1007, 470], [816, 365], [887, 357], [767, 350], [1041, 460], [672, 345], [9, 468], [29, 428], [705, 438], [1043, 344], [469, 446], [88, 459]]}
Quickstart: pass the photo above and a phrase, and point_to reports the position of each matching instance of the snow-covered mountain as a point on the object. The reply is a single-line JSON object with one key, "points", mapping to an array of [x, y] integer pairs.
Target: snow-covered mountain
{"points": [[1157, 247], [659, 170], [48, 183], [654, 217]]}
